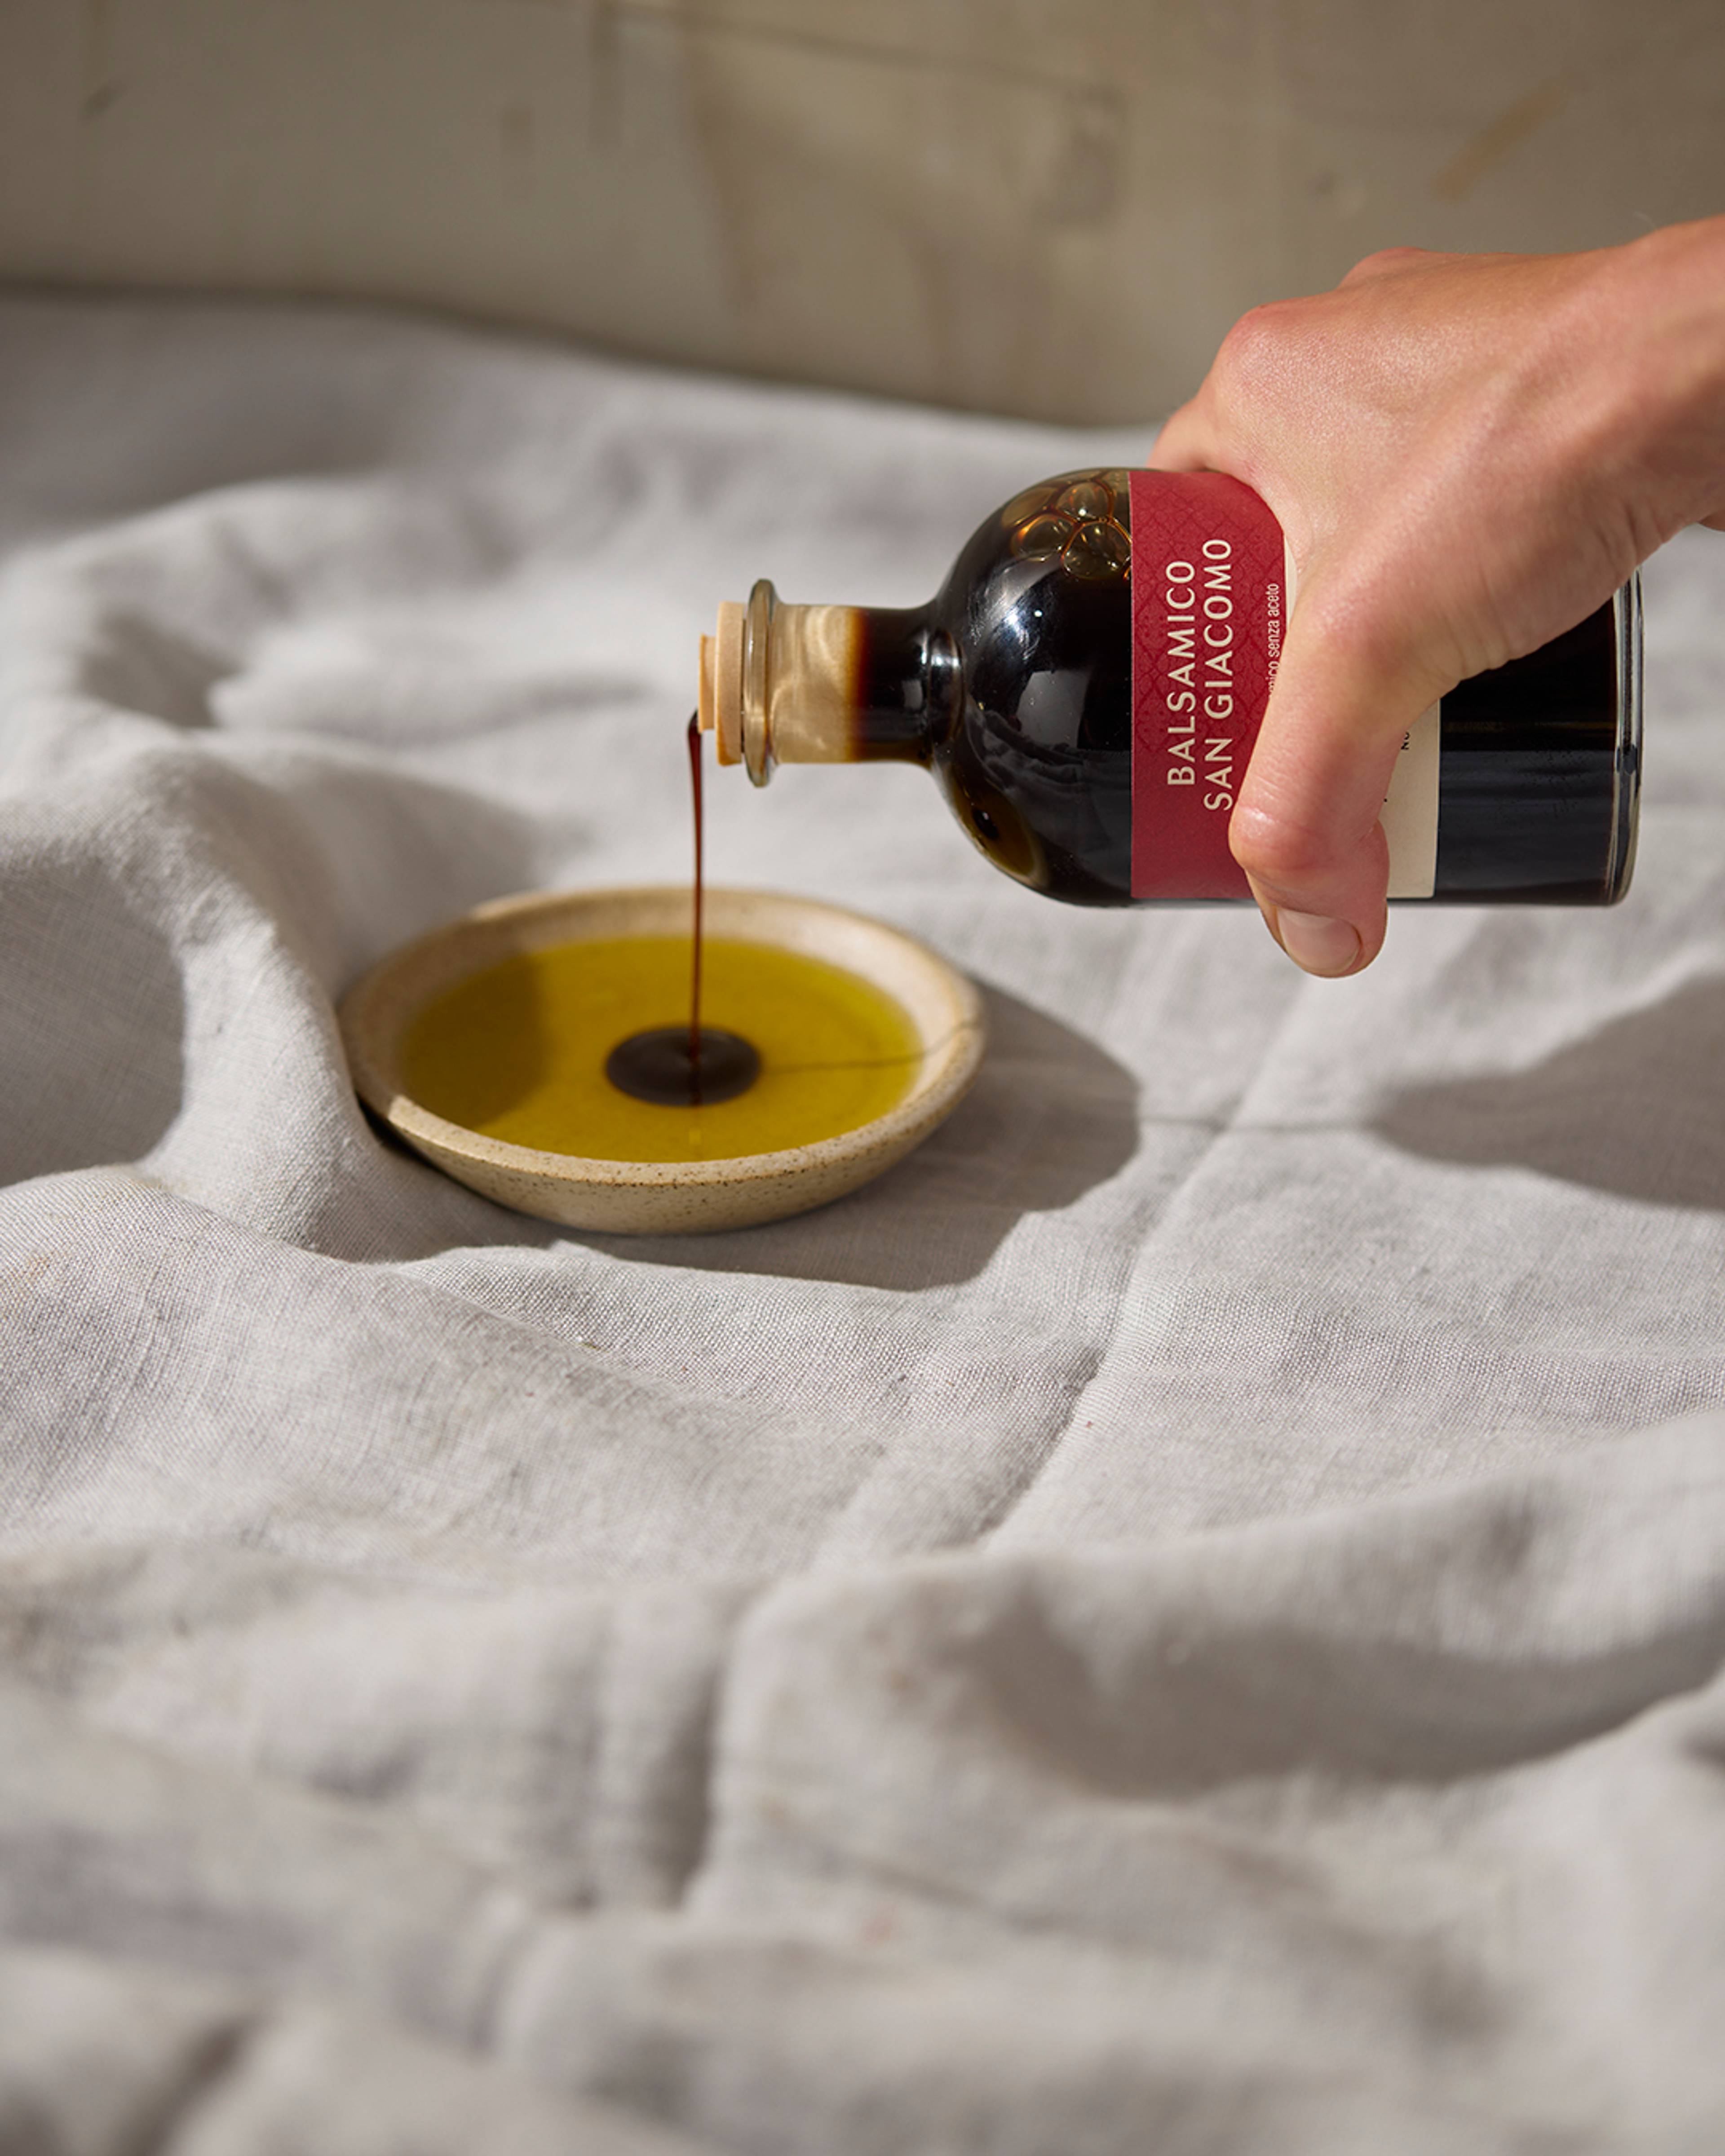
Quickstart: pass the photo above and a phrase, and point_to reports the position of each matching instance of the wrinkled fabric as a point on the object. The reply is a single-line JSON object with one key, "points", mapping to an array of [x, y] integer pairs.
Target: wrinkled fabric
{"points": [[1190, 1615]]}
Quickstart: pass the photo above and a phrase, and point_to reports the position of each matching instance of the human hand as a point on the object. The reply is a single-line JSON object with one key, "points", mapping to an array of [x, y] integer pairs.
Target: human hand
{"points": [[1467, 455]]}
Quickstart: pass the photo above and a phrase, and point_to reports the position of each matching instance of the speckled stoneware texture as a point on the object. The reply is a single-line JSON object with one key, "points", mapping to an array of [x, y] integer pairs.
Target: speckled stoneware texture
{"points": [[666, 1197]]}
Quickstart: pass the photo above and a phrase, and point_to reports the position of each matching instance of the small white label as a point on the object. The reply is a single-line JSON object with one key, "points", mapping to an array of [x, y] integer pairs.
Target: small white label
{"points": [[1410, 811]]}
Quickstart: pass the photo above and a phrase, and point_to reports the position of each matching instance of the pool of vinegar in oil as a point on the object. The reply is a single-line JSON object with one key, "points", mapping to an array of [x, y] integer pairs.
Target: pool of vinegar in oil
{"points": [[518, 1052]]}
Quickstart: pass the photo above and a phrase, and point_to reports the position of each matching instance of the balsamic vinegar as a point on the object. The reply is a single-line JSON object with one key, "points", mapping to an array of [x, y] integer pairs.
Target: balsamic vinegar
{"points": [[1087, 685], [687, 1066]]}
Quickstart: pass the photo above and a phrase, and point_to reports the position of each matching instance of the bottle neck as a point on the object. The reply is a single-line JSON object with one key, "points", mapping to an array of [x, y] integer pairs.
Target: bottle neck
{"points": [[825, 684]]}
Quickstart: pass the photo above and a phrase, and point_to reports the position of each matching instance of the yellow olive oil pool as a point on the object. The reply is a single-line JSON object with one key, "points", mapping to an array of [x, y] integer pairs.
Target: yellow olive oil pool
{"points": [[518, 1051]]}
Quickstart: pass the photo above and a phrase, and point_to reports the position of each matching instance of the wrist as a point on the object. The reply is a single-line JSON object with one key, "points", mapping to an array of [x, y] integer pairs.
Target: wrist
{"points": [[1669, 422]]}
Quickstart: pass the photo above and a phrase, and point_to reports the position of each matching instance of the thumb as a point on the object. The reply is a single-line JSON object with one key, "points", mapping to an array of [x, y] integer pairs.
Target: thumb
{"points": [[1305, 829]]}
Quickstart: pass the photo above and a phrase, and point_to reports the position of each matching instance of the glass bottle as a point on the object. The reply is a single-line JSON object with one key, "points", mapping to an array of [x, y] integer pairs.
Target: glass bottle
{"points": [[1087, 683]]}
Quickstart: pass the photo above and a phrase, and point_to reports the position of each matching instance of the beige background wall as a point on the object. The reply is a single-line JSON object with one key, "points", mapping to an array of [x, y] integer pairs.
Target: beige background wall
{"points": [[1052, 207]]}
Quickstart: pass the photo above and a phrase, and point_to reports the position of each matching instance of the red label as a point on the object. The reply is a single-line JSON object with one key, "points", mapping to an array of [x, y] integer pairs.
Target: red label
{"points": [[1209, 596]]}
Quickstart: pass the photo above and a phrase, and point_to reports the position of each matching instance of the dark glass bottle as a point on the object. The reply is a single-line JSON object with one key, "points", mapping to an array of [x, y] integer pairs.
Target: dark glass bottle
{"points": [[1014, 686]]}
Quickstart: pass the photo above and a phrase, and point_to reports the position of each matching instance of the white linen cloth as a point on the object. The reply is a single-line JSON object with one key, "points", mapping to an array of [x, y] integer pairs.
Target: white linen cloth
{"points": [[1189, 1617]]}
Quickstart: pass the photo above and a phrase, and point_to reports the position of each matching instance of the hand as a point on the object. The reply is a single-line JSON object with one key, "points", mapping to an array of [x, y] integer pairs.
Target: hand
{"points": [[1467, 454]]}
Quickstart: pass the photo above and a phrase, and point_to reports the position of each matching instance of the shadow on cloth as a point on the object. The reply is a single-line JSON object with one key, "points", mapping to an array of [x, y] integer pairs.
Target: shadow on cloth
{"points": [[91, 1064], [1051, 1116], [141, 665], [1634, 1109]]}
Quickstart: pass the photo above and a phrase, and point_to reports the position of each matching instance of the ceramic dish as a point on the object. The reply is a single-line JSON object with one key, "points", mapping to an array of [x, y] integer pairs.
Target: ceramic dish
{"points": [[666, 1197]]}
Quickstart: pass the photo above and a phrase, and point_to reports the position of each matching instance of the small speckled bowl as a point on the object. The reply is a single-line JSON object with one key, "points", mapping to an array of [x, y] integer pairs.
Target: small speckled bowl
{"points": [[665, 1198]]}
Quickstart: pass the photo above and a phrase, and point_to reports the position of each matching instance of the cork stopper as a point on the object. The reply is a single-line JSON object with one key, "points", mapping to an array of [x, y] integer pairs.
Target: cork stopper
{"points": [[777, 683], [720, 701]]}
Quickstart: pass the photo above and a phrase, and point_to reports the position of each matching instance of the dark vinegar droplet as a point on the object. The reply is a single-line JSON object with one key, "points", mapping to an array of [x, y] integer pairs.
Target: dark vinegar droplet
{"points": [[657, 1067]]}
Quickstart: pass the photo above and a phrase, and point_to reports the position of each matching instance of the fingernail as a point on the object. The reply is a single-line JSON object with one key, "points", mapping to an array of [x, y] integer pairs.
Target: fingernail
{"points": [[1319, 944]]}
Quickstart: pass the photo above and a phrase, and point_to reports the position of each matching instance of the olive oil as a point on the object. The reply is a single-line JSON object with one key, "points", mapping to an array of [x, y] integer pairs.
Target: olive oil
{"points": [[518, 1052]]}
